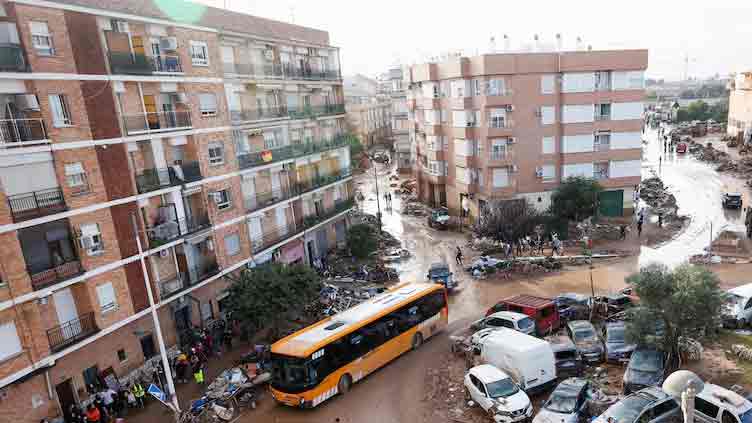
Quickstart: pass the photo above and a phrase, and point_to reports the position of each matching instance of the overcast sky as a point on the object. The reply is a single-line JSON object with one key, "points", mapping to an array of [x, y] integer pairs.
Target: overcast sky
{"points": [[716, 36]]}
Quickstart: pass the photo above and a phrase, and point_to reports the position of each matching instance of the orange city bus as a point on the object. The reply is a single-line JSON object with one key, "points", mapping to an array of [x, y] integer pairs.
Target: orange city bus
{"points": [[326, 358]]}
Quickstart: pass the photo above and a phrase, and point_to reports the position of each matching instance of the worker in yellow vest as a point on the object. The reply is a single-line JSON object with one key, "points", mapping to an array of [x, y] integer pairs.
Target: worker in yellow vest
{"points": [[138, 392]]}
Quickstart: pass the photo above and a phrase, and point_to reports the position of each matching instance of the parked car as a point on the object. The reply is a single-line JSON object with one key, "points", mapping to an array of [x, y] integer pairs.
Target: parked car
{"points": [[585, 338], [506, 319], [681, 148], [737, 309], [715, 404], [732, 200], [573, 306], [568, 361], [439, 218], [529, 360], [497, 394], [650, 405], [568, 403], [542, 310], [614, 338], [646, 368], [439, 273]]}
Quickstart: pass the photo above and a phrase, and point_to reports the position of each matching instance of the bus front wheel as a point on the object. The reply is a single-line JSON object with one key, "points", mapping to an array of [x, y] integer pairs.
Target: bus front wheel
{"points": [[344, 384], [417, 340]]}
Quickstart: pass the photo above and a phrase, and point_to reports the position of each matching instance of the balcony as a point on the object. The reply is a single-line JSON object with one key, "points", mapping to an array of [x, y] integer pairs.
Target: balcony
{"points": [[166, 63], [295, 72], [151, 122], [271, 70], [71, 332], [131, 64], [600, 117], [12, 58], [323, 180], [35, 204], [268, 198], [154, 179], [329, 109], [240, 116], [165, 232], [238, 68], [53, 275], [184, 280], [258, 158], [22, 132], [339, 207], [274, 235]]}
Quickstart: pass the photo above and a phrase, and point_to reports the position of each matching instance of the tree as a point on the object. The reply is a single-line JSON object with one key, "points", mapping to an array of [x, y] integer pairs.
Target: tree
{"points": [[687, 301], [264, 295], [509, 220], [576, 198], [361, 239]]}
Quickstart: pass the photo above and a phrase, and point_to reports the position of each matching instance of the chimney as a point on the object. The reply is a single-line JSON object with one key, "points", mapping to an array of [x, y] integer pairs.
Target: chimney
{"points": [[506, 43], [537, 43], [558, 42], [492, 45]]}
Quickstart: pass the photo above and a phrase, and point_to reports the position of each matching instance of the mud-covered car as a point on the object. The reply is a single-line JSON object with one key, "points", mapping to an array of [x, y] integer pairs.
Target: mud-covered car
{"points": [[586, 339]]}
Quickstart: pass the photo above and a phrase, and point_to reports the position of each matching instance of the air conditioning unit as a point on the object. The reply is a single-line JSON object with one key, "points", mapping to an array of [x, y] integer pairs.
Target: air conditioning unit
{"points": [[27, 102], [163, 253], [181, 98], [511, 140], [168, 43], [120, 25], [269, 54], [514, 168], [538, 113], [539, 172], [510, 107], [216, 197]]}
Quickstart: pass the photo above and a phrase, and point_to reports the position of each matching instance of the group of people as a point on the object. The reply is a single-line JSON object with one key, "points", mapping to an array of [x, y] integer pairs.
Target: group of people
{"points": [[388, 200], [206, 344], [108, 404]]}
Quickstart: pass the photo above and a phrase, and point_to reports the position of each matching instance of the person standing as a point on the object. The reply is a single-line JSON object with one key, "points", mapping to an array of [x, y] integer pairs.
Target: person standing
{"points": [[93, 415], [639, 227], [138, 392], [198, 370], [108, 398], [458, 257], [622, 232]]}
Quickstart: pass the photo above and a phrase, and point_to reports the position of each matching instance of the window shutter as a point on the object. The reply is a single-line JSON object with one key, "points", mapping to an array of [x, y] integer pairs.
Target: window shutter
{"points": [[39, 28], [74, 169], [106, 295], [11, 344]]}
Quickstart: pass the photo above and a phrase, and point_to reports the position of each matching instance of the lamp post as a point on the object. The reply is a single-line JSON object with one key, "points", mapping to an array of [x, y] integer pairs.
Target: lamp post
{"points": [[376, 181], [172, 395]]}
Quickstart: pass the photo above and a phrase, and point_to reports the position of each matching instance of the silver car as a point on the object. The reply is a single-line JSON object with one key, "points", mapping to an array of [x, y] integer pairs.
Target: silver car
{"points": [[650, 405]]}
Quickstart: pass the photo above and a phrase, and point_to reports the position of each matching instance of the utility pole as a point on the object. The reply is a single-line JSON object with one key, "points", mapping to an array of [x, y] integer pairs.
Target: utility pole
{"points": [[173, 397], [376, 181]]}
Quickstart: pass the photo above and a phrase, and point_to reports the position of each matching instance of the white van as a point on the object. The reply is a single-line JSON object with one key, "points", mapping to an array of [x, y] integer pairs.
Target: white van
{"points": [[716, 404], [529, 360], [737, 310]]}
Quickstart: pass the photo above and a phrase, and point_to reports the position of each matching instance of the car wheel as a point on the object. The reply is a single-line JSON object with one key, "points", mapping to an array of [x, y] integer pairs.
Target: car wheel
{"points": [[344, 384], [417, 340]]}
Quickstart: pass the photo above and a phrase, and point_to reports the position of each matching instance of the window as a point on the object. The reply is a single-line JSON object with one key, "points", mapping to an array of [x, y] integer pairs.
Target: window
{"points": [[548, 115], [122, 356], [216, 153], [501, 177], [548, 145], [199, 53], [600, 170], [107, 299], [707, 408], [61, 115], [549, 173], [41, 39], [75, 176], [495, 87], [91, 239], [232, 244], [665, 407], [497, 118], [602, 141], [603, 80], [498, 149], [207, 104], [222, 199], [11, 344], [271, 140], [476, 88], [603, 111]]}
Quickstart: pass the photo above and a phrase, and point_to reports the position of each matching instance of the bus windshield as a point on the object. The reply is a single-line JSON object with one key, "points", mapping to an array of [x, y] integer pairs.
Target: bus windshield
{"points": [[291, 374]]}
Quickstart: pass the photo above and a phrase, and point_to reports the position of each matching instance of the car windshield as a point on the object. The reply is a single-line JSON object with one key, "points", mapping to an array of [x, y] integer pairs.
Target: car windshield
{"points": [[584, 334], [615, 334], [502, 388], [746, 417], [646, 361], [561, 403], [627, 410], [525, 323], [566, 355]]}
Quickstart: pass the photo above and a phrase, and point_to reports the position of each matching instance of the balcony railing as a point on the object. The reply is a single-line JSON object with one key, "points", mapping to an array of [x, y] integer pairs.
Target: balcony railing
{"points": [[257, 158], [265, 199], [156, 122], [51, 276], [154, 179], [26, 131], [238, 68], [70, 332], [271, 70], [258, 114], [167, 63], [35, 204], [273, 235], [602, 147], [197, 274], [600, 174], [499, 155], [174, 229], [323, 180], [314, 111], [131, 64], [603, 117], [12, 58], [339, 207]]}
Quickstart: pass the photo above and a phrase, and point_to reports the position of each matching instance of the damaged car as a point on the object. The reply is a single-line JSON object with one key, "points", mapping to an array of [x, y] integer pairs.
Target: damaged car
{"points": [[497, 394], [646, 368], [586, 339]]}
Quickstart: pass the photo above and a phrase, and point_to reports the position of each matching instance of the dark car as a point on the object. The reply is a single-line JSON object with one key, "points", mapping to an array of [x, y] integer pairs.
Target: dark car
{"points": [[573, 306], [568, 403], [586, 339], [732, 200], [646, 367], [614, 338], [568, 362], [651, 405]]}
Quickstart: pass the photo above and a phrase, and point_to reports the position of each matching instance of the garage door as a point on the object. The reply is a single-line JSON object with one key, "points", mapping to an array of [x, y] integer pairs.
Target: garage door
{"points": [[611, 203]]}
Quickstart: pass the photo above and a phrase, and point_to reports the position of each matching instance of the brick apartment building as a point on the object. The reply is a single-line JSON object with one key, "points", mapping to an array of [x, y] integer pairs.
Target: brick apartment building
{"points": [[740, 107], [513, 125], [220, 134]]}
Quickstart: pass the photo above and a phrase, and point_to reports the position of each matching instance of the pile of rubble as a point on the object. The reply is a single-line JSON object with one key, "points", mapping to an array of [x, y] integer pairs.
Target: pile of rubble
{"points": [[707, 153], [656, 195], [446, 394], [412, 207], [597, 231], [340, 294], [407, 187]]}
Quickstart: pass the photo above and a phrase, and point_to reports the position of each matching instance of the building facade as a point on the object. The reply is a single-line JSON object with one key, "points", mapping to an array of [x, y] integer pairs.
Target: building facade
{"points": [[400, 123], [217, 138], [368, 111], [514, 125], [740, 107]]}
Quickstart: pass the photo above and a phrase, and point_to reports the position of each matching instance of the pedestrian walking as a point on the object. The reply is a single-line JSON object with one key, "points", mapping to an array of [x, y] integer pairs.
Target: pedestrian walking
{"points": [[623, 232], [198, 370], [390, 200], [108, 398], [138, 392], [660, 220], [458, 257], [386, 200], [639, 228]]}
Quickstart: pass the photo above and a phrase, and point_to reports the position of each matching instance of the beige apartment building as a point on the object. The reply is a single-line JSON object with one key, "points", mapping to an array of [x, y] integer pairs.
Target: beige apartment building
{"points": [[513, 125], [221, 134], [740, 106]]}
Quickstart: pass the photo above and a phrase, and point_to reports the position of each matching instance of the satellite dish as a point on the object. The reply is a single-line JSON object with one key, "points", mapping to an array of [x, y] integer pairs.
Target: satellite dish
{"points": [[677, 382]]}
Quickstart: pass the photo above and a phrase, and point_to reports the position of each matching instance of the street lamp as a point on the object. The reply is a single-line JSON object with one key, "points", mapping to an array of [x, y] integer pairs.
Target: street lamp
{"points": [[376, 181], [171, 393], [684, 385]]}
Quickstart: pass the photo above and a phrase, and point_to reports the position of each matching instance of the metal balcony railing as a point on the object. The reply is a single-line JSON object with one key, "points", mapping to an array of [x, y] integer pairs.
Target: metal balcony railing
{"points": [[600, 174], [197, 274], [273, 235], [271, 70], [130, 64], [238, 68], [153, 179], [305, 112], [28, 131], [339, 207], [171, 230], [167, 63], [35, 204], [257, 158], [156, 122], [70, 332], [12, 58], [322, 180], [53, 275], [267, 198], [238, 116]]}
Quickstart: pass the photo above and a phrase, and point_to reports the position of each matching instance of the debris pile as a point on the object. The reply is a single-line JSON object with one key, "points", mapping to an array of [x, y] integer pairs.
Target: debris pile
{"points": [[599, 231], [340, 294], [227, 383], [656, 195], [446, 393], [411, 207], [407, 187], [742, 351], [690, 349]]}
